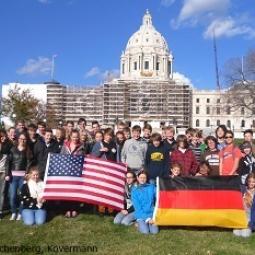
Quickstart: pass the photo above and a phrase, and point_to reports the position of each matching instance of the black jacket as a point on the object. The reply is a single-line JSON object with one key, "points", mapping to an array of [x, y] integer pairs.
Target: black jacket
{"points": [[31, 143], [26, 200], [6, 147], [246, 166], [41, 152], [19, 160]]}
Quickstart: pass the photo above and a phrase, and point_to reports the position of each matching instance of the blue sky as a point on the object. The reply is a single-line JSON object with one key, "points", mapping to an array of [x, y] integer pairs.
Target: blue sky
{"points": [[88, 36]]}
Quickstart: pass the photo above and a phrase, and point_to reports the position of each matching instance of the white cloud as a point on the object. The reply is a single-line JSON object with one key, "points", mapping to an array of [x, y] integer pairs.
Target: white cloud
{"points": [[94, 71], [215, 16], [179, 77], [167, 3], [105, 75], [194, 9], [41, 65], [228, 27]]}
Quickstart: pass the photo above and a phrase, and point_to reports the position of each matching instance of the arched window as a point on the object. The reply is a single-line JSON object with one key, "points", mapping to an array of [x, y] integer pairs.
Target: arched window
{"points": [[207, 123], [229, 124], [207, 110], [243, 123], [218, 122], [197, 123]]}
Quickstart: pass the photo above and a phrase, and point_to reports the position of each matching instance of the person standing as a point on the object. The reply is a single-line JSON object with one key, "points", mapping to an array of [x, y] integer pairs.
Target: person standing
{"points": [[134, 151], [41, 150], [230, 156], [20, 159]]}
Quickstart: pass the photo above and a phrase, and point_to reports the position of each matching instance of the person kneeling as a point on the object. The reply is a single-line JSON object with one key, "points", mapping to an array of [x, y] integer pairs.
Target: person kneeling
{"points": [[31, 199], [126, 217], [143, 199]]}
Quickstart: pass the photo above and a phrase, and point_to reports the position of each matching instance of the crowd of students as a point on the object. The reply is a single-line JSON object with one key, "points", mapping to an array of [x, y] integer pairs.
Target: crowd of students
{"points": [[24, 151]]}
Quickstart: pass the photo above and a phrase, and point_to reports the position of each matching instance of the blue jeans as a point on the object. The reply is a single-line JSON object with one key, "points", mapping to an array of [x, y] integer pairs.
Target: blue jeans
{"points": [[2, 189], [15, 185], [126, 220], [146, 228], [31, 217]]}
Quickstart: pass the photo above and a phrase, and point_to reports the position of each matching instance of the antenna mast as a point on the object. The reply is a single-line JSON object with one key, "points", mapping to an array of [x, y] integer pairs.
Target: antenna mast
{"points": [[216, 62]]}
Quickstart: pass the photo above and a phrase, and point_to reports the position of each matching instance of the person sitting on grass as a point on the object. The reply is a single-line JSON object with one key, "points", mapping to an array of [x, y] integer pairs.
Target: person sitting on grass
{"points": [[249, 206], [143, 199], [175, 170], [31, 199], [126, 217]]}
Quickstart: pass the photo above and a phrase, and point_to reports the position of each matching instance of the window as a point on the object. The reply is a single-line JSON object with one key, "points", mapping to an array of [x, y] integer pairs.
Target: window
{"points": [[243, 123], [253, 110], [229, 124], [208, 100], [242, 110], [218, 100], [228, 110], [197, 110], [207, 123], [146, 65], [197, 123], [197, 100], [218, 110], [135, 65], [207, 110], [157, 66], [218, 122], [123, 68], [253, 123]]}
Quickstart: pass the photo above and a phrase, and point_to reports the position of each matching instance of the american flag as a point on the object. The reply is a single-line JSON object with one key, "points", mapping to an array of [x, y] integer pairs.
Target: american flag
{"points": [[85, 179]]}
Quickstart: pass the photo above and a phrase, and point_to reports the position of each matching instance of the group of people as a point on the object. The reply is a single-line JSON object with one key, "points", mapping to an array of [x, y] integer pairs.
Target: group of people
{"points": [[24, 151]]}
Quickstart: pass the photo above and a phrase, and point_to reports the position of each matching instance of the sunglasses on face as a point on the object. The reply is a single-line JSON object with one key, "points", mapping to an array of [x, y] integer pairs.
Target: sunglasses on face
{"points": [[228, 136]]}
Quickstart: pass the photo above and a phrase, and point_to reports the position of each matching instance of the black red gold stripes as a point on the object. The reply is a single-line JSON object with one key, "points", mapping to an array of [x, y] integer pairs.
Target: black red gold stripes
{"points": [[200, 201]]}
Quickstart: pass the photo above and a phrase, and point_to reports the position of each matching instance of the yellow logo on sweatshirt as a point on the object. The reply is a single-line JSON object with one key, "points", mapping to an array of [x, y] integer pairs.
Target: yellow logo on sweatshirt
{"points": [[157, 156]]}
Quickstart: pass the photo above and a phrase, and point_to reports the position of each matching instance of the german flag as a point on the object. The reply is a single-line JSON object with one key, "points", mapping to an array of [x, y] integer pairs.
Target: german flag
{"points": [[200, 201]]}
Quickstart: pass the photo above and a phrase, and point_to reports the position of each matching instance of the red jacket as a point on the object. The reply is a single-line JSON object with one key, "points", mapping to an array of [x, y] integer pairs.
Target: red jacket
{"points": [[187, 160]]}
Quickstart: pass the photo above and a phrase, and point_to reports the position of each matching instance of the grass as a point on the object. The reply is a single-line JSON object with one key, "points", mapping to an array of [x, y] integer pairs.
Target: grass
{"points": [[99, 231]]}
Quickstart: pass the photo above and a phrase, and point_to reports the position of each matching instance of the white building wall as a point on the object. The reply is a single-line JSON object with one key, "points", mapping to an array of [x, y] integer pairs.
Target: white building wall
{"points": [[237, 120]]}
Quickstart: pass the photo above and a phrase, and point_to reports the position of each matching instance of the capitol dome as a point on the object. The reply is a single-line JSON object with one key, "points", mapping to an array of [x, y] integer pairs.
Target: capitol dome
{"points": [[146, 54]]}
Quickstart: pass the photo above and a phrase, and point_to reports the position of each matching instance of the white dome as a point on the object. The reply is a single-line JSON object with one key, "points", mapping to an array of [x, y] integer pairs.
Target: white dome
{"points": [[147, 36], [146, 55]]}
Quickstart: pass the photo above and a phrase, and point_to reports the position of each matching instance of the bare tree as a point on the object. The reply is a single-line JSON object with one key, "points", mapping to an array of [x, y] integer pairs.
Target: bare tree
{"points": [[239, 74]]}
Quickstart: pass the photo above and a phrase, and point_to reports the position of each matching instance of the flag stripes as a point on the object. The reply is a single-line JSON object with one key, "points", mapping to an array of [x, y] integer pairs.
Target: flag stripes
{"points": [[100, 182]]}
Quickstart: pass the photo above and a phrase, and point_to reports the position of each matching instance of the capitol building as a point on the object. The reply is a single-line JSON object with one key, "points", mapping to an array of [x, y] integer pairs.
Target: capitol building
{"points": [[145, 91]]}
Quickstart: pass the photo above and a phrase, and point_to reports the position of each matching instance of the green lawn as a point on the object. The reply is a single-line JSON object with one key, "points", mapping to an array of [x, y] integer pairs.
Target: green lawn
{"points": [[99, 231]]}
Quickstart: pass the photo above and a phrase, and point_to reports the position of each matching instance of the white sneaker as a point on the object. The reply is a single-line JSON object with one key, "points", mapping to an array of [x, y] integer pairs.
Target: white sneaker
{"points": [[18, 217], [246, 232], [13, 217]]}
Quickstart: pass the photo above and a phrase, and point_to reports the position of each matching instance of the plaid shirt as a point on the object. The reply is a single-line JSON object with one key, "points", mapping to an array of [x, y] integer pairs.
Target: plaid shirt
{"points": [[187, 160]]}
